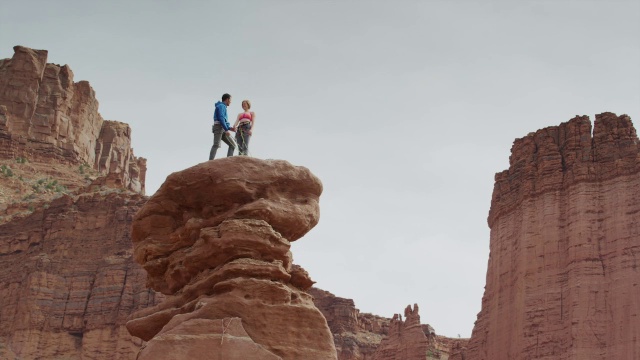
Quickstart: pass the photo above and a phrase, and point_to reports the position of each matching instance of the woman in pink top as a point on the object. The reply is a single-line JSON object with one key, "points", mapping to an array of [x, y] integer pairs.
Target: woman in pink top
{"points": [[244, 127]]}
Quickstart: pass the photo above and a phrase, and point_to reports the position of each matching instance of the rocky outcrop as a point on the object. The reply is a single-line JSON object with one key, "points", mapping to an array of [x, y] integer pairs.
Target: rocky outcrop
{"points": [[68, 282], [563, 279], [224, 337], [451, 349], [341, 313], [406, 339], [216, 238], [356, 335], [114, 157], [363, 336], [45, 116]]}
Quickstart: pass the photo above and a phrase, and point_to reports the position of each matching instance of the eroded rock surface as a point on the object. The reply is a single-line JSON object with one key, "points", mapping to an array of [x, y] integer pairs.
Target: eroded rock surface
{"points": [[563, 279], [203, 338], [356, 335], [45, 116], [216, 239], [363, 336], [68, 282], [406, 339]]}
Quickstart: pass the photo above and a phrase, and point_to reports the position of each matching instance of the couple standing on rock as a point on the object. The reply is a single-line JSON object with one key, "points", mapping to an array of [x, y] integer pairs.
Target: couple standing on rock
{"points": [[222, 130]]}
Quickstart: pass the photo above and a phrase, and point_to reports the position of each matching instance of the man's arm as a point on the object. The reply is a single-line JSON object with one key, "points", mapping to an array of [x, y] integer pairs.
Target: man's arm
{"points": [[223, 119], [235, 125]]}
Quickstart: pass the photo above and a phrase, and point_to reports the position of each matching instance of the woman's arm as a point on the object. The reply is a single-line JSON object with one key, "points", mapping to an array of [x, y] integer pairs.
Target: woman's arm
{"points": [[253, 122], [235, 125]]}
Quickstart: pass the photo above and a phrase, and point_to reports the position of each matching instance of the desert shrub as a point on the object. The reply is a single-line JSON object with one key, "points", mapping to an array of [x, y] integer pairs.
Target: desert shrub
{"points": [[50, 185], [6, 171]]}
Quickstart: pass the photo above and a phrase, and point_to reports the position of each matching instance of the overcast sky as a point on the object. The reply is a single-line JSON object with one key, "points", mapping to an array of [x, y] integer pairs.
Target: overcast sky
{"points": [[404, 109]]}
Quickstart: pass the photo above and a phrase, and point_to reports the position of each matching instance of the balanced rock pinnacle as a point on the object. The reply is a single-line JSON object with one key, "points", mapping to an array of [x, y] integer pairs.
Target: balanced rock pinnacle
{"points": [[216, 238]]}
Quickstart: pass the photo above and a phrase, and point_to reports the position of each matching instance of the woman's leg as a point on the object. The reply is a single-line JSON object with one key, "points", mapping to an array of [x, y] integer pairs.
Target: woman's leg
{"points": [[243, 140], [246, 138], [239, 141]]}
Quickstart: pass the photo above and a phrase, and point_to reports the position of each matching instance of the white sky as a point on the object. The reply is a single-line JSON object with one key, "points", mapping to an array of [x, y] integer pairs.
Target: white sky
{"points": [[404, 109]]}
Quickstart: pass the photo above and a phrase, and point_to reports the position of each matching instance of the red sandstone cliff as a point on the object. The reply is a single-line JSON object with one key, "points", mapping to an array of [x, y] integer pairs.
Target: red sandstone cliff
{"points": [[356, 335], [46, 117], [362, 336], [406, 339], [67, 281], [69, 187], [563, 279]]}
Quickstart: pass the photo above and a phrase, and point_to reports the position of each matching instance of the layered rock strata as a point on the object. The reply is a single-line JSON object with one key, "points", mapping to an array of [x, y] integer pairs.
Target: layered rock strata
{"points": [[406, 339], [114, 157], [563, 280], [46, 116], [451, 349], [215, 238], [68, 282], [363, 336], [356, 335]]}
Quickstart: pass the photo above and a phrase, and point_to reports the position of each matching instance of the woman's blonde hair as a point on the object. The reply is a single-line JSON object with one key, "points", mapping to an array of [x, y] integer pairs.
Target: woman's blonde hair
{"points": [[248, 103]]}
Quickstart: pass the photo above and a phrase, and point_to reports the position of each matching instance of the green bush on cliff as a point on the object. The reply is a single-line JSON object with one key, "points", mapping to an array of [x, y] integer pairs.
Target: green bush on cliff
{"points": [[84, 167], [6, 171], [51, 184]]}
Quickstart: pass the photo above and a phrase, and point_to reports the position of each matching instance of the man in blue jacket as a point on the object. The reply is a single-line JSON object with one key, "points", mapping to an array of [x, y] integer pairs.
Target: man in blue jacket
{"points": [[221, 127]]}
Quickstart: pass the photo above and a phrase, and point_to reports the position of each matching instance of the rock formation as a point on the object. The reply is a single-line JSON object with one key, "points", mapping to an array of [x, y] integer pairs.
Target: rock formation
{"points": [[362, 336], [356, 335], [68, 282], [45, 116], [215, 238], [452, 349], [406, 339], [114, 157], [563, 280]]}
